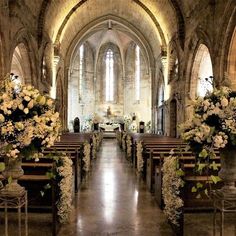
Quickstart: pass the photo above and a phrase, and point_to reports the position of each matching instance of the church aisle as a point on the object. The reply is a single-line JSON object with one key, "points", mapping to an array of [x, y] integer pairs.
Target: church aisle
{"points": [[113, 202]]}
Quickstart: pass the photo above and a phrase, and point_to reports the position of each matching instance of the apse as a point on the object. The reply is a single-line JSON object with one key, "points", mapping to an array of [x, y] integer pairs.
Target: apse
{"points": [[109, 73]]}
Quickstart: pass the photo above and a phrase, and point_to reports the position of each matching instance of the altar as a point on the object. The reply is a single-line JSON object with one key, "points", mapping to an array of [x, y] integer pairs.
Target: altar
{"points": [[109, 127]]}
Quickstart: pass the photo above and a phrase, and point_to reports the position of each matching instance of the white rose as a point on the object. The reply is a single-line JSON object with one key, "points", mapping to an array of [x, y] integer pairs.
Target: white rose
{"points": [[49, 102], [30, 104], [19, 125], [26, 110], [27, 98], [2, 118], [224, 102], [21, 107]]}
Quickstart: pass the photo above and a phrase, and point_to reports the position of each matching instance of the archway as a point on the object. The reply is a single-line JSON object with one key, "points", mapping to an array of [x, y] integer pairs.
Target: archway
{"points": [[86, 78], [20, 65], [231, 65], [202, 73]]}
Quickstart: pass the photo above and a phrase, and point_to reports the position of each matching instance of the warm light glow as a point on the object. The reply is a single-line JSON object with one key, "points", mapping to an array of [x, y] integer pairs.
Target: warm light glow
{"points": [[137, 72], [81, 67], [54, 74], [109, 188], [205, 70], [109, 76]]}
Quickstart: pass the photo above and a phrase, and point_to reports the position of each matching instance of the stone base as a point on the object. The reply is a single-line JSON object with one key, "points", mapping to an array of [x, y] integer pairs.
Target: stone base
{"points": [[12, 190], [226, 194]]}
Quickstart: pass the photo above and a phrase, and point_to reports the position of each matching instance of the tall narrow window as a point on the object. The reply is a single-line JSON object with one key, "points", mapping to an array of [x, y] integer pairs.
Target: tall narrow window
{"points": [[81, 67], [109, 76], [137, 73]]}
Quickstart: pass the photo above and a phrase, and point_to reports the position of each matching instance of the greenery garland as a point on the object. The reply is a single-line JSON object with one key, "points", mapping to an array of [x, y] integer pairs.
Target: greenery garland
{"points": [[64, 174], [129, 146], [140, 157], [172, 182], [86, 157]]}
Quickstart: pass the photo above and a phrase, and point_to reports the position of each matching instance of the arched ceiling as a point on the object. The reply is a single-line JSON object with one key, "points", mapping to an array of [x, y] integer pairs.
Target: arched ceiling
{"points": [[61, 20], [65, 17]]}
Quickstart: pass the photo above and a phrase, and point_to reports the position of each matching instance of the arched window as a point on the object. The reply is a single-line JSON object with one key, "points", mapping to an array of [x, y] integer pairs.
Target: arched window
{"points": [[202, 69], [137, 73], [109, 76], [205, 73], [81, 68]]}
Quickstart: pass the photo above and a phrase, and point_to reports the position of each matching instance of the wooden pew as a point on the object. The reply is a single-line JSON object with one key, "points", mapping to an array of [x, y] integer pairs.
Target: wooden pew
{"points": [[191, 178]]}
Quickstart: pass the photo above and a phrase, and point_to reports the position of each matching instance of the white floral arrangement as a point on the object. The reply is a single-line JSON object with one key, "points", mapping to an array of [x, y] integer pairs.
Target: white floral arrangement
{"points": [[133, 127], [98, 137], [123, 141], [172, 182], [127, 119], [140, 161], [64, 173], [129, 146], [213, 124], [87, 126], [86, 157], [28, 121], [118, 137], [94, 150]]}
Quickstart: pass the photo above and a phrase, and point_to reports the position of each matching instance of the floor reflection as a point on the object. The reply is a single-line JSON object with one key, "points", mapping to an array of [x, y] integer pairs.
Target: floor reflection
{"points": [[108, 192]]}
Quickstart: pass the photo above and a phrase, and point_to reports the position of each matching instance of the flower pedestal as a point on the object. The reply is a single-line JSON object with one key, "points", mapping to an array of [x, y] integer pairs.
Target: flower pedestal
{"points": [[13, 171], [228, 172]]}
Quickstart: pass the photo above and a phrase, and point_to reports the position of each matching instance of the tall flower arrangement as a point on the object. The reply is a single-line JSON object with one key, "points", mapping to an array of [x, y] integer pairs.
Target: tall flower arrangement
{"points": [[28, 121], [213, 124]]}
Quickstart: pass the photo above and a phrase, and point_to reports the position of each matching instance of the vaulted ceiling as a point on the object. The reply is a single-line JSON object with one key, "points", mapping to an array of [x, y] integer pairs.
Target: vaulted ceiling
{"points": [[156, 20]]}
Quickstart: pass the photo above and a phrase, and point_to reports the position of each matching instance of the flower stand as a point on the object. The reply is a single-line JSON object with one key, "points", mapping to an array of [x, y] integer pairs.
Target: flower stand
{"points": [[16, 202]]}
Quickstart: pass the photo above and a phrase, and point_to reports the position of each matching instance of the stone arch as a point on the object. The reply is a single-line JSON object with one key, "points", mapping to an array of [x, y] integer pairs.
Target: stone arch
{"points": [[125, 26], [173, 66], [23, 46], [81, 95], [198, 38], [20, 64], [46, 68], [231, 66], [224, 43], [73, 10]]}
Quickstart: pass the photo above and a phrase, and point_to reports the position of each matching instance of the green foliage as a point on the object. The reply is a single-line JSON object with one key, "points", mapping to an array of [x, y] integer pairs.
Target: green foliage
{"points": [[215, 179], [2, 166], [203, 153], [9, 180]]}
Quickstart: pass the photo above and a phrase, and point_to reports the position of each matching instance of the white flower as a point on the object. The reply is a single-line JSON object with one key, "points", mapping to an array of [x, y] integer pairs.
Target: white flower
{"points": [[2, 118], [224, 102], [26, 110], [19, 125], [21, 106], [30, 104], [49, 102], [27, 98]]}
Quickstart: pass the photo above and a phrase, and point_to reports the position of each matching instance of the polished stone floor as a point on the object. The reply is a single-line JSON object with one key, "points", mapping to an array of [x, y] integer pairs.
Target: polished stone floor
{"points": [[114, 201]]}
